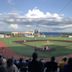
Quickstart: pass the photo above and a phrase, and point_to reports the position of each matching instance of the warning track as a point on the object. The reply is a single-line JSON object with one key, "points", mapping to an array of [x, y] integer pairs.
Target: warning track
{"points": [[7, 52]]}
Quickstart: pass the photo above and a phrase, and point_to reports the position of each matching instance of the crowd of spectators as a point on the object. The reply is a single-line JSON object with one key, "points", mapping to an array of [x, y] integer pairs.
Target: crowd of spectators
{"points": [[35, 65]]}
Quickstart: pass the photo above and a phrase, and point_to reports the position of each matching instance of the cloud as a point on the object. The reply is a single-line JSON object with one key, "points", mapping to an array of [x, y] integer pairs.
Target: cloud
{"points": [[36, 13], [0, 14], [67, 26], [35, 19], [28, 25], [14, 26], [10, 2]]}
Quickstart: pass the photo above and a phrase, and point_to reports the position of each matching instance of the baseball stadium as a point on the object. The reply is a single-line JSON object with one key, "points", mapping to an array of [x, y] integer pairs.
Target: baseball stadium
{"points": [[46, 46], [35, 35]]}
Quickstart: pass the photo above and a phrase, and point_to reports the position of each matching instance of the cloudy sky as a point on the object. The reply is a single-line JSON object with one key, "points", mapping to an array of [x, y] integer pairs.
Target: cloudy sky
{"points": [[28, 15]]}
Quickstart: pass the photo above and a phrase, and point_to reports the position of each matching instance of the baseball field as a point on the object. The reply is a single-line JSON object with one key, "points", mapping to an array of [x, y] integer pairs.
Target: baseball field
{"points": [[24, 46]]}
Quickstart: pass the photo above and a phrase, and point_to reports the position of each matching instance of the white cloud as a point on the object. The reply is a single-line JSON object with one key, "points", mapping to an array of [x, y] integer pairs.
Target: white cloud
{"points": [[67, 26], [44, 21], [10, 20], [28, 25], [36, 13], [10, 2], [0, 13], [14, 26], [13, 13]]}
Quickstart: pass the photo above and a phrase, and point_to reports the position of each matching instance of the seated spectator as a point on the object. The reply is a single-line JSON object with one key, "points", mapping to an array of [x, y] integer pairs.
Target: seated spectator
{"points": [[68, 67], [22, 66], [35, 65], [51, 66], [2, 66], [62, 63], [11, 67]]}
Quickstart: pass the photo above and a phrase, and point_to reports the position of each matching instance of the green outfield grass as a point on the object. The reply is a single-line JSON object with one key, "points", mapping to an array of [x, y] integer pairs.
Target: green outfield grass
{"points": [[60, 48]]}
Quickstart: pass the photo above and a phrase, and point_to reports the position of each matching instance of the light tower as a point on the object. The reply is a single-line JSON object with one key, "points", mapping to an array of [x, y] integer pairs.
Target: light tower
{"points": [[36, 32]]}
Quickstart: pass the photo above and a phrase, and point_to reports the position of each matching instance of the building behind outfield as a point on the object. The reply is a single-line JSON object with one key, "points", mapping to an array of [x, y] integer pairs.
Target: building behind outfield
{"points": [[5, 34]]}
